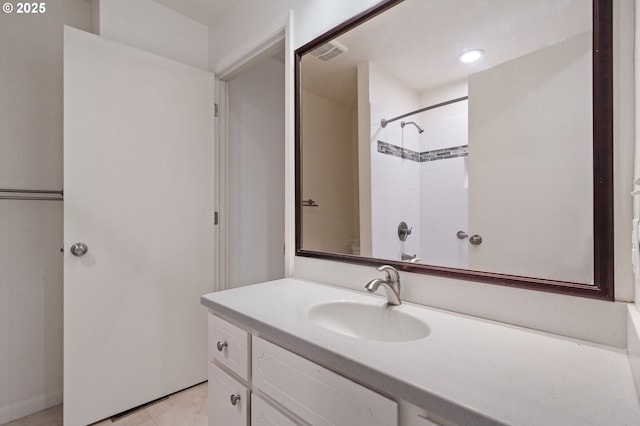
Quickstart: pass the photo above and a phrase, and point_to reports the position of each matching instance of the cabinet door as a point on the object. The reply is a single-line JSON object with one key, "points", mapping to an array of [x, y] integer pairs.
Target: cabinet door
{"points": [[228, 399], [316, 394], [263, 414], [229, 346]]}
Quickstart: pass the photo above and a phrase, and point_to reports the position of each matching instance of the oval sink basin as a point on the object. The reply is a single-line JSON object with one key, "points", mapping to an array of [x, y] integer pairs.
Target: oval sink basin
{"points": [[377, 322]]}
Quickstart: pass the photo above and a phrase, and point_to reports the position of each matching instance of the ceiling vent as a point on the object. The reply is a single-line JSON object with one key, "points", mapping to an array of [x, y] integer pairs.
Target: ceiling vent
{"points": [[329, 50]]}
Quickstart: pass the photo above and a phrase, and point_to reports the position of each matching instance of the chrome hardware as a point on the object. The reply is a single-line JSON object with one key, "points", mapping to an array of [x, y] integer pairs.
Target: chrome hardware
{"points": [[476, 240], [234, 399], [221, 346], [391, 284], [79, 249], [404, 231], [462, 235], [411, 258]]}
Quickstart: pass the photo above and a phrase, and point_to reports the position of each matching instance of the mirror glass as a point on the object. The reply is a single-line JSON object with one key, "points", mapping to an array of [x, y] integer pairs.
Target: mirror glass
{"points": [[453, 133]]}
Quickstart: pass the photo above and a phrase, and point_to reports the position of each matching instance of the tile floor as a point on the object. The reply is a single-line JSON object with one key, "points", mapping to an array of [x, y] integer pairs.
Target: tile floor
{"points": [[186, 408]]}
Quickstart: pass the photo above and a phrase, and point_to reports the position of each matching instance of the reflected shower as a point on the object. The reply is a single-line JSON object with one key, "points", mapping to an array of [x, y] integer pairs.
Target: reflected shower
{"points": [[404, 123]]}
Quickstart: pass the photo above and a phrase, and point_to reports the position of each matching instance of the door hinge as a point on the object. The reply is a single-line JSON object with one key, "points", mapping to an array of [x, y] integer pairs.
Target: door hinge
{"points": [[216, 111], [215, 218]]}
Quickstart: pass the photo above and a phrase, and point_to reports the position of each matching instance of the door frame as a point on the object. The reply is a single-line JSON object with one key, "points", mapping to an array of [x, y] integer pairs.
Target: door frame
{"points": [[224, 74]]}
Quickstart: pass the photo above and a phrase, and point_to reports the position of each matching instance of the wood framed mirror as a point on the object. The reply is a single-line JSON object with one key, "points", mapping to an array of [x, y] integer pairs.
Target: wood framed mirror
{"points": [[498, 170]]}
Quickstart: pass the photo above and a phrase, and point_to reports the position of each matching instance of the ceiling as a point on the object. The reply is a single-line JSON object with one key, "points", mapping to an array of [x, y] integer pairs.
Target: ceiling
{"points": [[206, 12], [418, 41]]}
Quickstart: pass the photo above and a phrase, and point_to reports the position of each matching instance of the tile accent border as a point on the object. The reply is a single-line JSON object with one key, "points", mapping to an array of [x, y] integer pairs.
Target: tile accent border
{"points": [[396, 151], [425, 156], [444, 153]]}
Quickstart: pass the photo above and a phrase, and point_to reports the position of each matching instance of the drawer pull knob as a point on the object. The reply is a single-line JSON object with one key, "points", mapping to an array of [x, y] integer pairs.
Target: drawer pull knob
{"points": [[221, 346], [234, 399]]}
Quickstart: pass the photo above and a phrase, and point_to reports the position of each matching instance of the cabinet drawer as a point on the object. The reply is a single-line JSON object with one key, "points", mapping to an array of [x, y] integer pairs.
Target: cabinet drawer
{"points": [[314, 393], [263, 414], [229, 345], [222, 388]]}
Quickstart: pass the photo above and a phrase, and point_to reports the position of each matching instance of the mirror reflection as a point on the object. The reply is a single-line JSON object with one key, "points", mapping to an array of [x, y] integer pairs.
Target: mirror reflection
{"points": [[454, 133]]}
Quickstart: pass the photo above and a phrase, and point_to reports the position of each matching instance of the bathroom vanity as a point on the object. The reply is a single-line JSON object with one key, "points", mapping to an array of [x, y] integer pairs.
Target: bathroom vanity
{"points": [[291, 352]]}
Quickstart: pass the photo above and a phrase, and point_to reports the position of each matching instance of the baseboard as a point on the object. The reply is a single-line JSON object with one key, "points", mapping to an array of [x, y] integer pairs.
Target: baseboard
{"points": [[633, 343], [20, 409]]}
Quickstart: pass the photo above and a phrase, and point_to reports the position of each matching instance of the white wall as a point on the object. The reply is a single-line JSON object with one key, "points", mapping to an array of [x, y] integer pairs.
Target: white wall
{"points": [[256, 180], [31, 231], [150, 26], [443, 183], [395, 183], [443, 212], [328, 178], [578, 317]]}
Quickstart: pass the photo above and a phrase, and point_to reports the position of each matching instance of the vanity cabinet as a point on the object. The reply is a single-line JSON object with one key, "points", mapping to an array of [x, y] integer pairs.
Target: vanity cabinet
{"points": [[314, 393], [253, 381], [263, 414], [228, 399], [290, 369]]}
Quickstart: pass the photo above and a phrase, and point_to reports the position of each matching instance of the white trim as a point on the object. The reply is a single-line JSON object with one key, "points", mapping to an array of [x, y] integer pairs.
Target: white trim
{"points": [[226, 70], [289, 151], [33, 405], [222, 134]]}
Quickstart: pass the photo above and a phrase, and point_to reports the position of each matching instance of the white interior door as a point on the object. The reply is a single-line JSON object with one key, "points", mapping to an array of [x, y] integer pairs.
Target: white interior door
{"points": [[139, 192], [530, 164]]}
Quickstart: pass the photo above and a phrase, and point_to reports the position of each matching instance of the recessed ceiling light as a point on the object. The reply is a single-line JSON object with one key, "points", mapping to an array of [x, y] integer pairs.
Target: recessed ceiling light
{"points": [[470, 56]]}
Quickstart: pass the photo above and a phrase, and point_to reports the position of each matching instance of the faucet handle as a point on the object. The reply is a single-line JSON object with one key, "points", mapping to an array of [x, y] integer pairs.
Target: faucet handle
{"points": [[391, 272]]}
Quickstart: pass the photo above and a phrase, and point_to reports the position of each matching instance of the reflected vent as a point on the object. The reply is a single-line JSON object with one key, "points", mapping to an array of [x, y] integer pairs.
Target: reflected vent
{"points": [[329, 50]]}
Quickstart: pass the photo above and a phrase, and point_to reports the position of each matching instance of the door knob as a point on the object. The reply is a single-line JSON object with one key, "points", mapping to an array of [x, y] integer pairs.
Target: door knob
{"points": [[476, 240], [79, 249], [221, 346]]}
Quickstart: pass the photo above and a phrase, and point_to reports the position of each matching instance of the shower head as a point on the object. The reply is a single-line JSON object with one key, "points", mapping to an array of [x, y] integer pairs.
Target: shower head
{"points": [[404, 123]]}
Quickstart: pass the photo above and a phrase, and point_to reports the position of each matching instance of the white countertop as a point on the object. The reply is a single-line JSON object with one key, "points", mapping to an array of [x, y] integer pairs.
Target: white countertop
{"points": [[467, 370]]}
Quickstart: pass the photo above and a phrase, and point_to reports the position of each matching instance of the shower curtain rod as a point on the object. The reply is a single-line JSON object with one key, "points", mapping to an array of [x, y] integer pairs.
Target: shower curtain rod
{"points": [[384, 122]]}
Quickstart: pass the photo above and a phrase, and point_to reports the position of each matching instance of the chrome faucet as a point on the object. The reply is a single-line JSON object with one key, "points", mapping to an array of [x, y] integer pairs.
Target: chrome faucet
{"points": [[391, 284]]}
